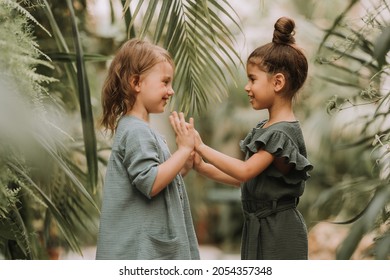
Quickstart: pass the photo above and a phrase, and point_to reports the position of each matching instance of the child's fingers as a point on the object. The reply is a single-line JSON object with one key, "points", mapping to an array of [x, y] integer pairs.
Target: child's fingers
{"points": [[173, 118], [179, 123], [191, 126], [183, 124], [172, 124], [172, 121]]}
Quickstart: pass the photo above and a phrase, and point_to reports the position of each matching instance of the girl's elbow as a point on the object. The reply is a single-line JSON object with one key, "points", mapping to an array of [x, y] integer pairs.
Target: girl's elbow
{"points": [[244, 176], [237, 184]]}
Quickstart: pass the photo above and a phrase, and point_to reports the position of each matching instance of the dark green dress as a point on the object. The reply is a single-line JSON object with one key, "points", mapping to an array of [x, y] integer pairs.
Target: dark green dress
{"points": [[273, 228]]}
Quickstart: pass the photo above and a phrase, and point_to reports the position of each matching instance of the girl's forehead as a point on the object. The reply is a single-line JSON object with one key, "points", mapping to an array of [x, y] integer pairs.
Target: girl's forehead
{"points": [[163, 69], [253, 68]]}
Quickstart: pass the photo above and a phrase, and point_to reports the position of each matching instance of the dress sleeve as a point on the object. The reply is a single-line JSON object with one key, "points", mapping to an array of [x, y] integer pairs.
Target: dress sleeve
{"points": [[280, 145], [141, 158]]}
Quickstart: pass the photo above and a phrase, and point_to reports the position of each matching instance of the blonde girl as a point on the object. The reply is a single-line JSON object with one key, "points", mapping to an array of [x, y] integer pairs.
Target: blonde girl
{"points": [[145, 211]]}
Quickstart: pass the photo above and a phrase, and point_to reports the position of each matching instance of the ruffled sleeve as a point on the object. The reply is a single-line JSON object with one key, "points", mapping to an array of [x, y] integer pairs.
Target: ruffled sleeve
{"points": [[286, 144]]}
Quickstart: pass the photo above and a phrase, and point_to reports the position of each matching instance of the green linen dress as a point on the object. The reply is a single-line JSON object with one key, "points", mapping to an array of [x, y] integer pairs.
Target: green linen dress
{"points": [[273, 227], [134, 225]]}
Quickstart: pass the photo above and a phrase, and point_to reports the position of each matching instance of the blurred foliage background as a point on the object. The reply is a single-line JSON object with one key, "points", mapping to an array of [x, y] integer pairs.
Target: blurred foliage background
{"points": [[54, 55]]}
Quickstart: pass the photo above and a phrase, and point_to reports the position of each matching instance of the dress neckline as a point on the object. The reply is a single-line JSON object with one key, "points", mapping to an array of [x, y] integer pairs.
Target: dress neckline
{"points": [[264, 122]]}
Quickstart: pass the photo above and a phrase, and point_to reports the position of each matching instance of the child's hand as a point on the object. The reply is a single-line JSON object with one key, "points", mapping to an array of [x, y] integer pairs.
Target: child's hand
{"points": [[190, 161], [185, 133], [198, 140], [188, 165], [198, 161]]}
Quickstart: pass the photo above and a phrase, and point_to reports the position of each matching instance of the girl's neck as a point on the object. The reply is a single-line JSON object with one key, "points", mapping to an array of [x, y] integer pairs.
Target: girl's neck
{"points": [[140, 115], [280, 113]]}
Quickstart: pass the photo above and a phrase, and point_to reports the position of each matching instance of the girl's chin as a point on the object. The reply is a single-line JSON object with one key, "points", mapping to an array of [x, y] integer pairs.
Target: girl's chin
{"points": [[160, 110]]}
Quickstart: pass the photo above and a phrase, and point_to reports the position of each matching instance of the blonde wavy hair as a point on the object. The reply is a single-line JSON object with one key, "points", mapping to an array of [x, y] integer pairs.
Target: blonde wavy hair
{"points": [[135, 58]]}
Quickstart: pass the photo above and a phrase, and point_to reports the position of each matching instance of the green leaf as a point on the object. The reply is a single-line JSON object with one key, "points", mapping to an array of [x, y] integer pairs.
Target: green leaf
{"points": [[382, 46], [148, 17], [72, 57], [336, 23], [364, 225], [382, 248], [63, 224], [161, 22], [63, 47], [65, 168], [85, 105], [20, 232]]}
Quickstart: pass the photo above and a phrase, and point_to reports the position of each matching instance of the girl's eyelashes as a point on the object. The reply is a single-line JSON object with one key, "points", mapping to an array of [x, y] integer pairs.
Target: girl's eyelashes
{"points": [[251, 78], [167, 82]]}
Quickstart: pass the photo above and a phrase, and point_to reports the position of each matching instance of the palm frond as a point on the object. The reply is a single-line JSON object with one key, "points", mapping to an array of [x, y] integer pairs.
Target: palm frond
{"points": [[71, 57], [52, 153], [201, 43], [62, 221]]}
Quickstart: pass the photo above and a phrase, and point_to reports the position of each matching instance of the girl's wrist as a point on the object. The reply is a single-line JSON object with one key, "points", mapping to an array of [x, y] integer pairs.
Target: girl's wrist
{"points": [[199, 166], [186, 149], [200, 148]]}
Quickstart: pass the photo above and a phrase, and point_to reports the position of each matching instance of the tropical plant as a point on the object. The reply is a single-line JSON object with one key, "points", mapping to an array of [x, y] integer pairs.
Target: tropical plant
{"points": [[42, 193], [356, 53]]}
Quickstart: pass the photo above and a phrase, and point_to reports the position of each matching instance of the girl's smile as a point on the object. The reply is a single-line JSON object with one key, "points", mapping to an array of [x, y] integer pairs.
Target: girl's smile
{"points": [[259, 88]]}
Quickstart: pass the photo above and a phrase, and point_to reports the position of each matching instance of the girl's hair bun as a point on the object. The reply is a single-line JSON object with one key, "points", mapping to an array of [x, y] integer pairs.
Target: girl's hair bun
{"points": [[284, 31]]}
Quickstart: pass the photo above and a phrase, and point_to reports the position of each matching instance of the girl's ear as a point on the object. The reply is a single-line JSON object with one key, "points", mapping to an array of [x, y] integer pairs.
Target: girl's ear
{"points": [[135, 83], [279, 81]]}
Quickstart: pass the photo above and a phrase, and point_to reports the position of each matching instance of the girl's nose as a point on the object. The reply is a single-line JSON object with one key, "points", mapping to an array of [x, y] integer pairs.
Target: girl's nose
{"points": [[247, 87], [171, 91]]}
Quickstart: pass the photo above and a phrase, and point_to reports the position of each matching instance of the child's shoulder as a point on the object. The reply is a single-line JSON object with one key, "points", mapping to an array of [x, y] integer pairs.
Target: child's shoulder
{"points": [[131, 123], [133, 127]]}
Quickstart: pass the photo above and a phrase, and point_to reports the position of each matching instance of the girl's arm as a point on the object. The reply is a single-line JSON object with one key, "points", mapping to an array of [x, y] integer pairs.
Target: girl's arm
{"points": [[171, 167], [238, 169], [213, 173]]}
